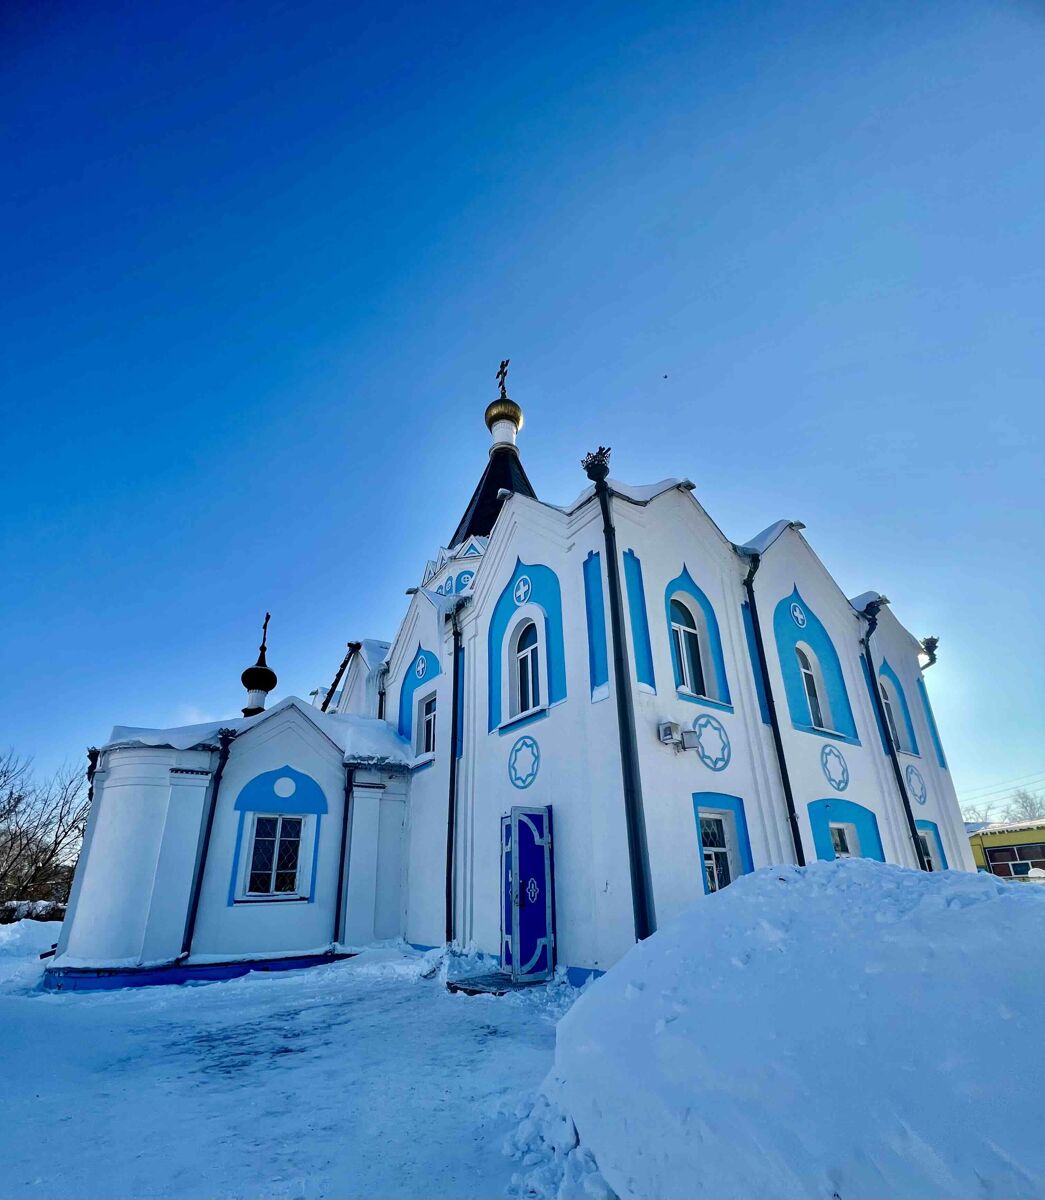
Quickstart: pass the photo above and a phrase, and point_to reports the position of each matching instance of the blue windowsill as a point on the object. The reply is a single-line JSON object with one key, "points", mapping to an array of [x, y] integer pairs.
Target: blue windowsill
{"points": [[693, 698], [828, 733], [518, 722]]}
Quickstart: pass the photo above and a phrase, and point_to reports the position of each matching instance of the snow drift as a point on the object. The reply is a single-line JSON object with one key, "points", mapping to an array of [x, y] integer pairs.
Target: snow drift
{"points": [[847, 1030]]}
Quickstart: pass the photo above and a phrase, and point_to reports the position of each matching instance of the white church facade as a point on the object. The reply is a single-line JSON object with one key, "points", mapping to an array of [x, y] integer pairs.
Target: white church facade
{"points": [[590, 717]]}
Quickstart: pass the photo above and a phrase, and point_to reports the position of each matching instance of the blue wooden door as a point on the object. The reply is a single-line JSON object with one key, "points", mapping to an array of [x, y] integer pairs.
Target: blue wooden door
{"points": [[527, 894]]}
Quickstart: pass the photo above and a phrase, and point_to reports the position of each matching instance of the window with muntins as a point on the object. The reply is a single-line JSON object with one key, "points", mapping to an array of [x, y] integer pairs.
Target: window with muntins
{"points": [[690, 667], [527, 691], [274, 856], [716, 852], [818, 715], [426, 730]]}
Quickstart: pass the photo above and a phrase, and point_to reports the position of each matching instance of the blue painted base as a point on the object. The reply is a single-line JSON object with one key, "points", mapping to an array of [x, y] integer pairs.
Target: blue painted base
{"points": [[579, 976], [93, 979]]}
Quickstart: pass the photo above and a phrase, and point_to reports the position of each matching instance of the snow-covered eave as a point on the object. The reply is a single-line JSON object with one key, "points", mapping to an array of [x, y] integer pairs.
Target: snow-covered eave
{"points": [[761, 542], [997, 828], [362, 741]]}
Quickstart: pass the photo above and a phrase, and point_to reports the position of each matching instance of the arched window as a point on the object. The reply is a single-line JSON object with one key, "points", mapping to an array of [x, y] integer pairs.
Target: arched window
{"points": [[816, 696], [890, 716], [689, 665], [526, 694]]}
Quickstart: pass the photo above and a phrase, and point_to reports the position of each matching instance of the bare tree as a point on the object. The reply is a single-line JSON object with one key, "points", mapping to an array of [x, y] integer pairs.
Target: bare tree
{"points": [[982, 813], [1025, 806], [41, 829]]}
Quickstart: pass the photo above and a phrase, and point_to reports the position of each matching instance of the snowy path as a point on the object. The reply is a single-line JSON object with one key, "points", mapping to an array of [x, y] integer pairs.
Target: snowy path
{"points": [[357, 1079]]}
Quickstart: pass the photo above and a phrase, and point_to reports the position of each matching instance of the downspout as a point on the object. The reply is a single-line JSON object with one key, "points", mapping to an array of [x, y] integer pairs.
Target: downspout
{"points": [[383, 671], [225, 739], [93, 754], [451, 794], [870, 615], [346, 808], [929, 647], [353, 648], [774, 722], [597, 468]]}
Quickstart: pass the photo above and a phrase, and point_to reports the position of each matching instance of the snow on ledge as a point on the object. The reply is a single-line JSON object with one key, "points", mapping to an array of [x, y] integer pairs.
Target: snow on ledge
{"points": [[637, 494]]}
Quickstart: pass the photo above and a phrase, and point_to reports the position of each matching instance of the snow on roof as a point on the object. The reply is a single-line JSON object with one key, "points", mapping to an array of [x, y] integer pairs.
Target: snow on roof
{"points": [[373, 653], [864, 599], [637, 494], [364, 741], [761, 542], [999, 827]]}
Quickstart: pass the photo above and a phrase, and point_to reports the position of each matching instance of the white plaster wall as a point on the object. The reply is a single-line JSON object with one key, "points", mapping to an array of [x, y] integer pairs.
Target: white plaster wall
{"points": [[893, 642], [277, 926], [668, 534], [116, 879], [789, 563]]}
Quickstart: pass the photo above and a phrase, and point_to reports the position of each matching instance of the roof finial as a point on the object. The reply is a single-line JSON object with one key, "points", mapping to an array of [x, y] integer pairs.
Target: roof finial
{"points": [[504, 417], [502, 376], [259, 679]]}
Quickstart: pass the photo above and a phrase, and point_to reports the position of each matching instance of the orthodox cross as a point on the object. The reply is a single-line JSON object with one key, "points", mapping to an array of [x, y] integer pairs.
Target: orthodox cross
{"points": [[265, 631], [502, 375]]}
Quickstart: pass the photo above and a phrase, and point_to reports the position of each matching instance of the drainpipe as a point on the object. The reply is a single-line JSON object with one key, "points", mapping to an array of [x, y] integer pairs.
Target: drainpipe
{"points": [[774, 722], [383, 671], [929, 647], [93, 754], [346, 809], [225, 739], [451, 794], [870, 615], [597, 467], [353, 648]]}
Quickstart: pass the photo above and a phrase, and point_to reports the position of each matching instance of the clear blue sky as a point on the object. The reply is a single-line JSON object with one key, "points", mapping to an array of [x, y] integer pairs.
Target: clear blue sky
{"points": [[261, 261]]}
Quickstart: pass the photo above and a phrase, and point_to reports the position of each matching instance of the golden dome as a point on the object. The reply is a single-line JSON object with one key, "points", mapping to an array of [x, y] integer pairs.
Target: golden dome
{"points": [[503, 409]]}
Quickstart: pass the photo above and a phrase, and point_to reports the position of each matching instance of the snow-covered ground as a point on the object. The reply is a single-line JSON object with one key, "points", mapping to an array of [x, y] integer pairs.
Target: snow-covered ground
{"points": [[851, 1030], [357, 1079]]}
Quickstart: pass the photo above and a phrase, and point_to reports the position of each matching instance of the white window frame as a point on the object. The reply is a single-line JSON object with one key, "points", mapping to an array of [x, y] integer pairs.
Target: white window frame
{"points": [[816, 674], [699, 631], [896, 726], [929, 848], [526, 614], [729, 834], [305, 839], [426, 722], [851, 838]]}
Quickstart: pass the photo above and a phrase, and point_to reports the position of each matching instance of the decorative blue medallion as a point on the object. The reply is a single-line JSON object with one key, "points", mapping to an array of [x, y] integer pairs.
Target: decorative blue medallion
{"points": [[421, 668], [712, 742], [523, 588], [916, 784], [524, 761], [798, 614], [835, 768]]}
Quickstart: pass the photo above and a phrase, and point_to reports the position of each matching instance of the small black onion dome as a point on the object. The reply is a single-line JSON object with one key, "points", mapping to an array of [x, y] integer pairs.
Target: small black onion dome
{"points": [[260, 677]]}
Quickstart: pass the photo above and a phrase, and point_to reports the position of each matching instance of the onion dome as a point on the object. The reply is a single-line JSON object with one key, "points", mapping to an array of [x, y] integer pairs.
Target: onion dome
{"points": [[259, 679], [504, 409]]}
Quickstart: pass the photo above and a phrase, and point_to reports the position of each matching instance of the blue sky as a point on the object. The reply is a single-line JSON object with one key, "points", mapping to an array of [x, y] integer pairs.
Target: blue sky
{"points": [[266, 258]]}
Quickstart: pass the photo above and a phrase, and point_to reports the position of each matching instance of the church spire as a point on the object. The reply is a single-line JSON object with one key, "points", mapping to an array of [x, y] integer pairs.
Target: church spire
{"points": [[504, 472], [259, 679]]}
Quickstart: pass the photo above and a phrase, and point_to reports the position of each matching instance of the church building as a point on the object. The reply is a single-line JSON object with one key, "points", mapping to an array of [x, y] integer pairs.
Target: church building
{"points": [[592, 716]]}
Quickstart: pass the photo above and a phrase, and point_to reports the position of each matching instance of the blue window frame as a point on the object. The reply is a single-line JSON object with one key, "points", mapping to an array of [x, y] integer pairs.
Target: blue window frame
{"points": [[697, 661]]}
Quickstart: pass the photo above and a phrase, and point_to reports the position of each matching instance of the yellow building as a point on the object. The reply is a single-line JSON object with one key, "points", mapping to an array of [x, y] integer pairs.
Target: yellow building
{"points": [[1010, 849]]}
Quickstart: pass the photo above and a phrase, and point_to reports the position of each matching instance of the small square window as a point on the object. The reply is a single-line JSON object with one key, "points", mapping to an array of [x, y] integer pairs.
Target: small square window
{"points": [[844, 841]]}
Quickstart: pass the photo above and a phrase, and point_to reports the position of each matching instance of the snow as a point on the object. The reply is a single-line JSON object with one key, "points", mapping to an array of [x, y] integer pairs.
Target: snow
{"points": [[761, 542], [637, 493], [365, 741], [865, 598], [362, 1078], [848, 1030]]}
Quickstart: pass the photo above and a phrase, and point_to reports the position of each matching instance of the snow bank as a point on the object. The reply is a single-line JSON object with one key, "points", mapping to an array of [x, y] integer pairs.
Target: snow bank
{"points": [[23, 938], [848, 1030]]}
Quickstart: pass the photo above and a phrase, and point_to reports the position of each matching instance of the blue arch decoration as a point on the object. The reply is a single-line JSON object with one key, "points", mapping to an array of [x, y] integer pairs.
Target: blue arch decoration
{"points": [[724, 803], [412, 680], [639, 620], [545, 593], [595, 613], [685, 584], [259, 795], [464, 578], [934, 733], [823, 812], [886, 670], [932, 828], [788, 633]]}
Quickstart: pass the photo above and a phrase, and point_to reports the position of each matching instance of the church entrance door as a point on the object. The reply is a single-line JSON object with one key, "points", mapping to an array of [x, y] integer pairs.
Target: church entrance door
{"points": [[527, 894]]}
